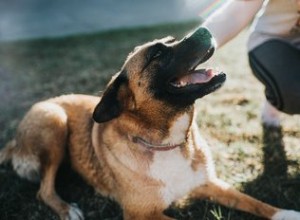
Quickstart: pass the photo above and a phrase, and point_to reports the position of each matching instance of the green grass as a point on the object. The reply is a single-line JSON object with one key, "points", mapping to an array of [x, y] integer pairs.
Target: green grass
{"points": [[260, 161]]}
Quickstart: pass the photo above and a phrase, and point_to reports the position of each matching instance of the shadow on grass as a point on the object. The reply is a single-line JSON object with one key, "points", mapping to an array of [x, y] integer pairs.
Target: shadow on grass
{"points": [[275, 185], [274, 156]]}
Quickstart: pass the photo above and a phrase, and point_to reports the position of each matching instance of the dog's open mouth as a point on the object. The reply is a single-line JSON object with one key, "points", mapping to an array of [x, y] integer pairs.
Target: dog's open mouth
{"points": [[207, 80], [203, 81], [194, 77]]}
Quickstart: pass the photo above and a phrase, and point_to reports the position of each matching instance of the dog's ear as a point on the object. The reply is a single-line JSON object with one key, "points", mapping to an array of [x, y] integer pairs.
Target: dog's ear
{"points": [[110, 106]]}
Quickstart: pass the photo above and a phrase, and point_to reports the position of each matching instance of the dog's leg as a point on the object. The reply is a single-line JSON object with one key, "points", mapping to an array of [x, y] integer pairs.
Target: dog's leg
{"points": [[49, 196], [43, 136], [222, 193], [49, 166]]}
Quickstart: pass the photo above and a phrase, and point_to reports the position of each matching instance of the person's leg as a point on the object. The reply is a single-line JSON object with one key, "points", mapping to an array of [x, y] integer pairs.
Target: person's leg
{"points": [[270, 116], [276, 64]]}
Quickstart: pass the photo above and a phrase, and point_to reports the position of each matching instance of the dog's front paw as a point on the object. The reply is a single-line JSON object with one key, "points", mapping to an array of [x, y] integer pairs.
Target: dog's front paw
{"points": [[286, 215], [74, 213]]}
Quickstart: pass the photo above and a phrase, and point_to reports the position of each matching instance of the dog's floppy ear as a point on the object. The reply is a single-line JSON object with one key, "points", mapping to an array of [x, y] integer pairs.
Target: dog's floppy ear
{"points": [[110, 106]]}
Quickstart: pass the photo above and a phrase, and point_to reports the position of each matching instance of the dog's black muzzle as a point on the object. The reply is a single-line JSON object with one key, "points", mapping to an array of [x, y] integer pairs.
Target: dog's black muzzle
{"points": [[194, 49], [181, 82]]}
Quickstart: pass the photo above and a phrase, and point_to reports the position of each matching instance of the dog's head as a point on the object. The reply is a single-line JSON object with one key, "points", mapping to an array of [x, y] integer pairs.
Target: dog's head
{"points": [[161, 76]]}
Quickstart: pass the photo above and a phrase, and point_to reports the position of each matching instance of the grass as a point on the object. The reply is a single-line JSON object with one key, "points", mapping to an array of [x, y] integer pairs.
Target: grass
{"points": [[260, 161]]}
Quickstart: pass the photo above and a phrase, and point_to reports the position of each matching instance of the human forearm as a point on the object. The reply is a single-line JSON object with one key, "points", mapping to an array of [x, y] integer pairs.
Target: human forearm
{"points": [[230, 19]]}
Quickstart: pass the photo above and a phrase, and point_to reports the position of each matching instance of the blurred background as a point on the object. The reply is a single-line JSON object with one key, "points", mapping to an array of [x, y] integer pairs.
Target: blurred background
{"points": [[27, 19]]}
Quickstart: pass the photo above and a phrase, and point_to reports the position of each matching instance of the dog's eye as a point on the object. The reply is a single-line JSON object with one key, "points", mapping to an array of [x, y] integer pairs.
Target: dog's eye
{"points": [[157, 54]]}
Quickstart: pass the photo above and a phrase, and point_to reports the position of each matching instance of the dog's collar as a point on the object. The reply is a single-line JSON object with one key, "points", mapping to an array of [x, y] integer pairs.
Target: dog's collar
{"points": [[154, 147]]}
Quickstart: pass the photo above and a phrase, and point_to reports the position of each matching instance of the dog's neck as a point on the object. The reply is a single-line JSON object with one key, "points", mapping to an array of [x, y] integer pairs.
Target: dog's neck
{"points": [[178, 129], [176, 136]]}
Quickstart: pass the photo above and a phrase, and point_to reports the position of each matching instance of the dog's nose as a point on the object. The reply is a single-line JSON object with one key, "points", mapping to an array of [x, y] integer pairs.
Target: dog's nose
{"points": [[200, 35], [197, 45]]}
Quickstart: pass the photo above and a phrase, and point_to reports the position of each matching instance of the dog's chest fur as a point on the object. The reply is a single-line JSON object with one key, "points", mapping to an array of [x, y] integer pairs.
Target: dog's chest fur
{"points": [[176, 174]]}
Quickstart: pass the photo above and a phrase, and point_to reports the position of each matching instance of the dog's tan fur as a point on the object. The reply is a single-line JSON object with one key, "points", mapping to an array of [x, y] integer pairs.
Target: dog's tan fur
{"points": [[144, 182]]}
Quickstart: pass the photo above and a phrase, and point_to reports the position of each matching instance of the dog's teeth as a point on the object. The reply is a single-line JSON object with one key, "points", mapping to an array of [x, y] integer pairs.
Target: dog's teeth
{"points": [[179, 84], [175, 84], [182, 84]]}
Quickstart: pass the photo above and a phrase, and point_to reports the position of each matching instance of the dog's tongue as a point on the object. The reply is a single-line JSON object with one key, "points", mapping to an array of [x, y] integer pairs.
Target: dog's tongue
{"points": [[198, 76]]}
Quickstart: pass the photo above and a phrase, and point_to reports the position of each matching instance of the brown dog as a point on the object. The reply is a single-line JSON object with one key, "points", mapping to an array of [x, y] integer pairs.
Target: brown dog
{"points": [[145, 150]]}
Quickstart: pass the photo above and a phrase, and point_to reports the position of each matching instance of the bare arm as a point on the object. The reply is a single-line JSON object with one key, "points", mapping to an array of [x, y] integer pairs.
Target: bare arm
{"points": [[233, 17]]}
